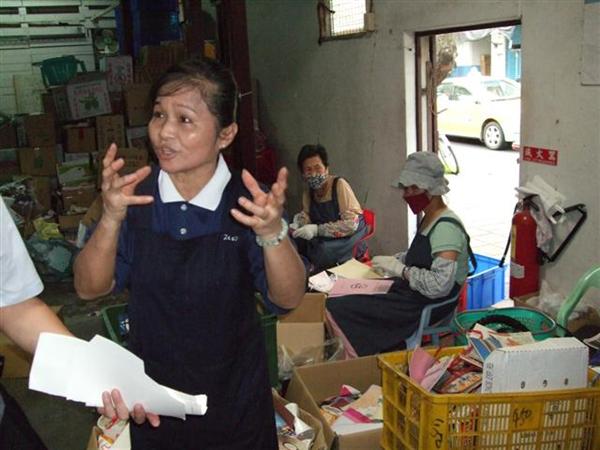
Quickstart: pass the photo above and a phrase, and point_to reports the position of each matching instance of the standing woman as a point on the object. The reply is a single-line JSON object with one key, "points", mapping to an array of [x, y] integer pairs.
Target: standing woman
{"points": [[192, 241], [433, 269], [331, 220]]}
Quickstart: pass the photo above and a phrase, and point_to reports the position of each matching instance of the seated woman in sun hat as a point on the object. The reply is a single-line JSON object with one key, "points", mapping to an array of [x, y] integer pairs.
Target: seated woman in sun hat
{"points": [[431, 271]]}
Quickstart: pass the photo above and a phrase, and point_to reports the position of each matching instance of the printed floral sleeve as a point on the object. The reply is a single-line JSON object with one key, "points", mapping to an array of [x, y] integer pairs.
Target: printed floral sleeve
{"points": [[350, 212]]}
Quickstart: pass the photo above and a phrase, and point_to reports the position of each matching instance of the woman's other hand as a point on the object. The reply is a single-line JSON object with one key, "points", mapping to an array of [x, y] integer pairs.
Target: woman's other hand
{"points": [[266, 207], [388, 266], [118, 191], [114, 406]]}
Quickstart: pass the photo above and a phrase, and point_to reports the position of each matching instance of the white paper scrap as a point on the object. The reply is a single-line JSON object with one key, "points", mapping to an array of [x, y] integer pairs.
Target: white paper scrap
{"points": [[81, 371]]}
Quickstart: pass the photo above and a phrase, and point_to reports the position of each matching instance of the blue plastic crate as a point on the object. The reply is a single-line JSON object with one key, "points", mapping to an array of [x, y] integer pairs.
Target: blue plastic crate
{"points": [[486, 286]]}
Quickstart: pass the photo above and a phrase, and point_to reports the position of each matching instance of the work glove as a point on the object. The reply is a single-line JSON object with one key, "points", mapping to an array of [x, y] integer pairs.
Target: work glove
{"points": [[297, 222], [388, 266], [307, 232]]}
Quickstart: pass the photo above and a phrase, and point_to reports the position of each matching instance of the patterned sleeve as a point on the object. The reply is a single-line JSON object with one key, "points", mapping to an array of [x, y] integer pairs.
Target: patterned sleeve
{"points": [[350, 212]]}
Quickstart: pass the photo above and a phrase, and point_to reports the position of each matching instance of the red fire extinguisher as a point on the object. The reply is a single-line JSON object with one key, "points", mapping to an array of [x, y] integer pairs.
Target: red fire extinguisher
{"points": [[524, 258]]}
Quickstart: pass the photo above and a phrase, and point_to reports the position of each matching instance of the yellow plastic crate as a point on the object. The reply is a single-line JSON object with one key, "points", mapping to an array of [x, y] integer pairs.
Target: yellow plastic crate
{"points": [[415, 419]]}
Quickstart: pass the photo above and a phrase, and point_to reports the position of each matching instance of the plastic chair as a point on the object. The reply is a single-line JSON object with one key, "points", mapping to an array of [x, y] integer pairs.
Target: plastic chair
{"points": [[590, 279], [426, 328], [58, 71], [369, 217]]}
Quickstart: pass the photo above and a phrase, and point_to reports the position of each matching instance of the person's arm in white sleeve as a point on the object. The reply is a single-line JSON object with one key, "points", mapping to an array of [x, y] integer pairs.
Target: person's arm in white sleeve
{"points": [[23, 316]]}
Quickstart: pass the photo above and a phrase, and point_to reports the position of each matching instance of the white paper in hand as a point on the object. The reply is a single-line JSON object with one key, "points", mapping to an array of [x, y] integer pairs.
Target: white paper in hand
{"points": [[81, 371]]}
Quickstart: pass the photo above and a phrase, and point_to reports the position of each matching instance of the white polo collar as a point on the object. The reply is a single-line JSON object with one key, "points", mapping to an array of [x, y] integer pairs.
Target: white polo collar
{"points": [[210, 195]]}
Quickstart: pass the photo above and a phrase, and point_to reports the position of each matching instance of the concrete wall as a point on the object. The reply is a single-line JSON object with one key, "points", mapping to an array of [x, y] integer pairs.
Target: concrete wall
{"points": [[356, 97]]}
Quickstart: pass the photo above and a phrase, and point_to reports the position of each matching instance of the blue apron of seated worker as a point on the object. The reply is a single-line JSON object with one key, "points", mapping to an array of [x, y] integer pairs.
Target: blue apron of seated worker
{"points": [[432, 271], [379, 323], [192, 274], [326, 252]]}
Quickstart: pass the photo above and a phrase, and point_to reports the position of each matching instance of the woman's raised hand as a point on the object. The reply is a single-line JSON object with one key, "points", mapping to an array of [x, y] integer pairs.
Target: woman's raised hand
{"points": [[266, 208], [118, 191]]}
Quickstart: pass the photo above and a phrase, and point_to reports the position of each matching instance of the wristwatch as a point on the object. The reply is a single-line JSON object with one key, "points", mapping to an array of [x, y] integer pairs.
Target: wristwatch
{"points": [[277, 239]]}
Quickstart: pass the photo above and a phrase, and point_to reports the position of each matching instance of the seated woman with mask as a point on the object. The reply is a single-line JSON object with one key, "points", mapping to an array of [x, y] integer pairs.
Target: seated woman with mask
{"points": [[432, 270], [331, 220]]}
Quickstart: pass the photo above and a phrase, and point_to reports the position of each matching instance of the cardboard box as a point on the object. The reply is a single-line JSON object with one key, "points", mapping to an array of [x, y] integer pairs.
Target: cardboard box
{"points": [[9, 162], [137, 103], [8, 136], [119, 71], [110, 129], [48, 103], [79, 139], [85, 95], [304, 327], [310, 385], [39, 130], [78, 196], [138, 137], [69, 222], [135, 159], [308, 419], [77, 172], [43, 188], [533, 367], [38, 161]]}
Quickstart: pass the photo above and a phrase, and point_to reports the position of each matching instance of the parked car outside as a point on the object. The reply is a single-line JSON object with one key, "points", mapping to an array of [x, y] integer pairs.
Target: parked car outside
{"points": [[482, 107]]}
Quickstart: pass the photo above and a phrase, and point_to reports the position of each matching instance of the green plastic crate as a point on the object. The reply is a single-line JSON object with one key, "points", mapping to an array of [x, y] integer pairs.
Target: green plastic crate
{"points": [[110, 318], [269, 326], [540, 325]]}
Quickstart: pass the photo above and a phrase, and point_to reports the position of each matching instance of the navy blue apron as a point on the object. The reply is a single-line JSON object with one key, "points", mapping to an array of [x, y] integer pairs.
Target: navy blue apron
{"points": [[380, 323], [193, 321], [326, 252]]}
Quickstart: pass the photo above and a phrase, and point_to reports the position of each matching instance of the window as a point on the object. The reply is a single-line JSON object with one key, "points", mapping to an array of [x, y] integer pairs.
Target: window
{"points": [[343, 18]]}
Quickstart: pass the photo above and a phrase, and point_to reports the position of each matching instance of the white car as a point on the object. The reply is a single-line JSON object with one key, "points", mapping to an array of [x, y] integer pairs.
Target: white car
{"points": [[481, 107]]}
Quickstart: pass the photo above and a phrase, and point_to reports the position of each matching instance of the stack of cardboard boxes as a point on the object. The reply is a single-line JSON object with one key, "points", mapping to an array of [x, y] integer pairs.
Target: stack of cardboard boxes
{"points": [[60, 150]]}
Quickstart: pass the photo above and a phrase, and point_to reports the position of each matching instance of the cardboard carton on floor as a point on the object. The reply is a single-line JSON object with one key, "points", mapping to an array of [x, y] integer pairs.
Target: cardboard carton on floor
{"points": [[137, 103], [135, 159], [78, 196], [304, 327], [86, 95], [308, 419], [39, 161], [80, 139], [119, 71], [76, 172], [39, 130], [310, 385], [110, 129], [8, 135], [43, 188]]}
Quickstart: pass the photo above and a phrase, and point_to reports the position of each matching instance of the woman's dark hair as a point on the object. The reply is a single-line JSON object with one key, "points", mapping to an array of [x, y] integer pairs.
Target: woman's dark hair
{"points": [[214, 81], [308, 151]]}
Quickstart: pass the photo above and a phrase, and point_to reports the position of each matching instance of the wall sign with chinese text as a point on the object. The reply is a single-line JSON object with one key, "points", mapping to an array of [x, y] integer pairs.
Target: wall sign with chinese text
{"points": [[540, 155]]}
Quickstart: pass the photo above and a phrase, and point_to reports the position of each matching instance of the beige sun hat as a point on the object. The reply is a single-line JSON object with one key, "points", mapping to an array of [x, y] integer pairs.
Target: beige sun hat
{"points": [[424, 170]]}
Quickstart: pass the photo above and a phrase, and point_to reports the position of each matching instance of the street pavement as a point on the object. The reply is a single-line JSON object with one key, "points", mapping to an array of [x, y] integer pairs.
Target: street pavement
{"points": [[483, 194]]}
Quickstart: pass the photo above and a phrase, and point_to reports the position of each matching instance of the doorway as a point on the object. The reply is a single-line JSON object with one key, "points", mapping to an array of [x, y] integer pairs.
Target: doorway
{"points": [[468, 111]]}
